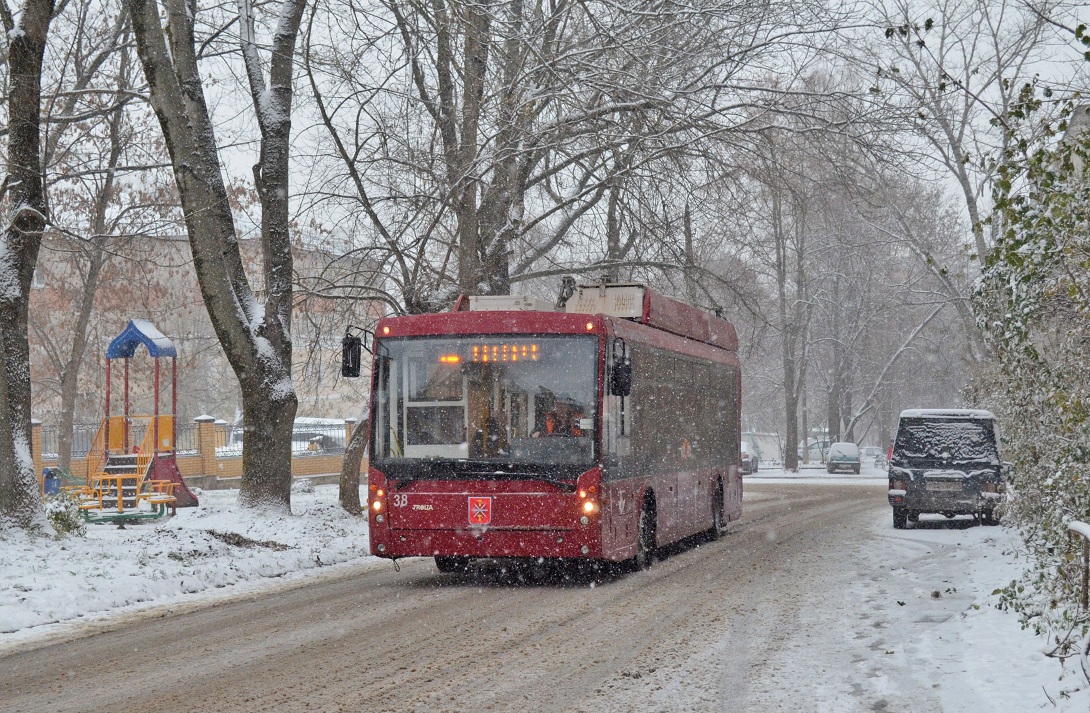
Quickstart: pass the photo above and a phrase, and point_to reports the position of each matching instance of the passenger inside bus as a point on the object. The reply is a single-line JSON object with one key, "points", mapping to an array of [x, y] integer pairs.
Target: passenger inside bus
{"points": [[562, 419]]}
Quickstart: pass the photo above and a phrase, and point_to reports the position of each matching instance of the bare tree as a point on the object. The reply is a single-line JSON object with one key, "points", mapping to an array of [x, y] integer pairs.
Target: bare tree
{"points": [[955, 69], [256, 336], [488, 143], [89, 136]]}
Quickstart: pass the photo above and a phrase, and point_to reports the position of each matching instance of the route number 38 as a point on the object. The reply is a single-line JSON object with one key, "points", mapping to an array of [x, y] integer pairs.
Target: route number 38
{"points": [[400, 500]]}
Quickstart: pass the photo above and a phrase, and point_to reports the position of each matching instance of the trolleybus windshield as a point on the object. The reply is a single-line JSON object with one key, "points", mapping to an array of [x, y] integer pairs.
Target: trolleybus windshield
{"points": [[519, 399]]}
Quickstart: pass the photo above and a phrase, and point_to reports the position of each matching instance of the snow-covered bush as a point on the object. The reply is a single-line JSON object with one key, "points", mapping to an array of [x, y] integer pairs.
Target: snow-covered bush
{"points": [[302, 485], [62, 511], [1034, 305]]}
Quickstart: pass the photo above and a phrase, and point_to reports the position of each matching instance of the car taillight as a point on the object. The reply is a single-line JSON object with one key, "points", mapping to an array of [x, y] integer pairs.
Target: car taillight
{"points": [[896, 485]]}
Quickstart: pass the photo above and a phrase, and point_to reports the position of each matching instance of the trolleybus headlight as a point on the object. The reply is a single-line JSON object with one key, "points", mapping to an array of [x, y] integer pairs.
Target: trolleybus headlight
{"points": [[377, 505], [589, 507], [379, 518], [584, 520]]}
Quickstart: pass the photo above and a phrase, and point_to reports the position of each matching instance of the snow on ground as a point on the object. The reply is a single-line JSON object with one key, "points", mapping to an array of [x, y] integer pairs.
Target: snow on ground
{"points": [[917, 624], [188, 556], [912, 620]]}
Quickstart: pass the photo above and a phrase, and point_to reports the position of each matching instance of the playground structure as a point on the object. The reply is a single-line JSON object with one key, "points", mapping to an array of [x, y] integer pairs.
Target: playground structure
{"points": [[132, 460]]}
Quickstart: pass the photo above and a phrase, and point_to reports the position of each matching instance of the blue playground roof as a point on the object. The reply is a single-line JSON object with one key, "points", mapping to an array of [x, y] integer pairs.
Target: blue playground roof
{"points": [[140, 331]]}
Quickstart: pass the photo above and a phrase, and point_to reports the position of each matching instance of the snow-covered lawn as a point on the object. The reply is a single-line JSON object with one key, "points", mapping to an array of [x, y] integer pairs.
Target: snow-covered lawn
{"points": [[191, 555], [913, 610]]}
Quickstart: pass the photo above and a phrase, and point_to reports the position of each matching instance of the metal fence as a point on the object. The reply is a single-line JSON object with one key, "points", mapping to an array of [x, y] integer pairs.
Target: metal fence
{"points": [[187, 439], [315, 439], [306, 439], [83, 435]]}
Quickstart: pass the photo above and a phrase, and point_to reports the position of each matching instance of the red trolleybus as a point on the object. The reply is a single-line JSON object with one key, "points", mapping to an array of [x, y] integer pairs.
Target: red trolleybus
{"points": [[507, 428]]}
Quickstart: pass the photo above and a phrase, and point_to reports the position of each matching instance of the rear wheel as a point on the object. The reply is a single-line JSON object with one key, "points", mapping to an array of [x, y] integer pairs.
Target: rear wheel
{"points": [[900, 518], [719, 524], [451, 565]]}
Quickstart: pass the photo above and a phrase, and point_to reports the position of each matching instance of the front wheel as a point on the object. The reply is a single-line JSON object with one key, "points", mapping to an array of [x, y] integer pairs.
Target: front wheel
{"points": [[900, 518], [645, 540]]}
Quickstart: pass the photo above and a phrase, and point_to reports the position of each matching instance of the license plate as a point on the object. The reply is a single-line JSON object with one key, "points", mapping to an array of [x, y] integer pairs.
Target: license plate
{"points": [[944, 486]]}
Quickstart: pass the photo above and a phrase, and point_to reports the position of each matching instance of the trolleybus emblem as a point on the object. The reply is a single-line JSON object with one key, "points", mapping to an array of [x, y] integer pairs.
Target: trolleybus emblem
{"points": [[480, 511]]}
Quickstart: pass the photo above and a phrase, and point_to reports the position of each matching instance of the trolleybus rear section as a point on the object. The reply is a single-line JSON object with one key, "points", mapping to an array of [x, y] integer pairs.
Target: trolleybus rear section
{"points": [[598, 432]]}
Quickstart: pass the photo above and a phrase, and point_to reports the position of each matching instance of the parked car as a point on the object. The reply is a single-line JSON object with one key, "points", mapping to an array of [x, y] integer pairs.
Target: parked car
{"points": [[749, 459], [876, 456], [843, 456], [814, 452], [945, 461]]}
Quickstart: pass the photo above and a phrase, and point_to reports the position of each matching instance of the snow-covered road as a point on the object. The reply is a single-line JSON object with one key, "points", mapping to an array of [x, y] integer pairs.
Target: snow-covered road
{"points": [[812, 603]]}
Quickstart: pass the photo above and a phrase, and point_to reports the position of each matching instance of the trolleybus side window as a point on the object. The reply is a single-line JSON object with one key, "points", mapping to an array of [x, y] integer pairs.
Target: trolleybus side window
{"points": [[681, 413]]}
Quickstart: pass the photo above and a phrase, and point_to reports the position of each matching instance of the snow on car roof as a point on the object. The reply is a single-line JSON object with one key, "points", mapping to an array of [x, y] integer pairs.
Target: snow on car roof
{"points": [[946, 413]]}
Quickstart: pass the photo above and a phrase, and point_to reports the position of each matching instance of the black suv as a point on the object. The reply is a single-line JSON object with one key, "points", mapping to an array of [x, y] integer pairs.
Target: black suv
{"points": [[945, 461]]}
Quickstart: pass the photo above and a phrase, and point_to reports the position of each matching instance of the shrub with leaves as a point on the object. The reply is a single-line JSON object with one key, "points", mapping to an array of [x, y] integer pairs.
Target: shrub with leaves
{"points": [[63, 513], [1033, 303]]}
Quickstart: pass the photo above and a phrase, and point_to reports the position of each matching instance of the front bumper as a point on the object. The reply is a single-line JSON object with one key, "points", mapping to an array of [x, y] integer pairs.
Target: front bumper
{"points": [[959, 503], [487, 542]]}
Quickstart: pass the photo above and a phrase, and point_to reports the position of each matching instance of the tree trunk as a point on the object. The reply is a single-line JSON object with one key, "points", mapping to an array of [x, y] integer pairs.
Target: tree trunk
{"points": [[20, 501], [70, 372], [475, 67], [256, 338], [835, 383], [788, 342], [349, 486]]}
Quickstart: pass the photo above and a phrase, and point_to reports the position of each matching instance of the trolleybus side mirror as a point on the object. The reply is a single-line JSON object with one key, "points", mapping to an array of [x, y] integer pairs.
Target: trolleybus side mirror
{"points": [[351, 356], [620, 383], [620, 375], [352, 347]]}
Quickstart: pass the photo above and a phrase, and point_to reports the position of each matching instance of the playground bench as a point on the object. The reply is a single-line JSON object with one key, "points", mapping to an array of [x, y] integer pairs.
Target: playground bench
{"points": [[159, 493], [87, 497], [116, 498]]}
